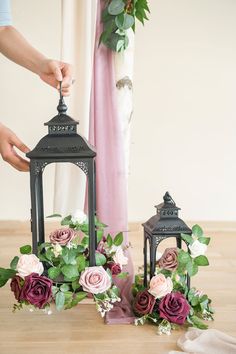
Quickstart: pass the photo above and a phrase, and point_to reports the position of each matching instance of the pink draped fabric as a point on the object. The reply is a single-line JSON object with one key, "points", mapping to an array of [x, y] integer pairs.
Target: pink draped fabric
{"points": [[106, 135]]}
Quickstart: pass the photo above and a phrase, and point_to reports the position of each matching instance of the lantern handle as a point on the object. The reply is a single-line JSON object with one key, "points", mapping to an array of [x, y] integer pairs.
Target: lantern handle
{"points": [[62, 107]]}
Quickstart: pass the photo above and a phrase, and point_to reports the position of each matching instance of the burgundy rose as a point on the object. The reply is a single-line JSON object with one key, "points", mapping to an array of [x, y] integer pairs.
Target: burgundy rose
{"points": [[62, 236], [16, 286], [114, 267], [174, 308], [37, 290], [144, 303], [169, 259]]}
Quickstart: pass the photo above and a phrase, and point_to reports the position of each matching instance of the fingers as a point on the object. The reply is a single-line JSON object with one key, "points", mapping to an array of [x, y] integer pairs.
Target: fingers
{"points": [[14, 140], [10, 156]]}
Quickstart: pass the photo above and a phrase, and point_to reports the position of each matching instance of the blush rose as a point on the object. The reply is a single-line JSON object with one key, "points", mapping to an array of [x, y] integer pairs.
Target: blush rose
{"points": [[27, 264], [160, 286], [95, 280], [174, 308]]}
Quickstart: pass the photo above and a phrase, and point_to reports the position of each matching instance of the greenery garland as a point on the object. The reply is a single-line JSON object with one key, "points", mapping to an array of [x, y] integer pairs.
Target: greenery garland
{"points": [[118, 17]]}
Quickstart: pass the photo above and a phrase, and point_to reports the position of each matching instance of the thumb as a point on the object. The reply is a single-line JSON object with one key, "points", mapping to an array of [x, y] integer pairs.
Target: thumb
{"points": [[57, 71]]}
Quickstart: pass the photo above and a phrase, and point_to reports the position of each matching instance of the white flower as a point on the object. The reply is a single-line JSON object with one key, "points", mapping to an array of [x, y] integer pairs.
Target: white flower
{"points": [[57, 249], [197, 249], [27, 264], [119, 257], [78, 217]]}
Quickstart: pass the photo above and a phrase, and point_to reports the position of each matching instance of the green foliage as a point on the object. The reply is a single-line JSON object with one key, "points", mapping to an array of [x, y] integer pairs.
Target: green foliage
{"points": [[66, 220], [81, 262], [14, 262], [118, 239], [70, 271], [118, 17], [122, 275], [54, 216], [109, 240], [54, 272], [5, 275], [27, 249], [197, 322], [187, 238], [60, 300], [100, 259], [201, 261], [197, 231]]}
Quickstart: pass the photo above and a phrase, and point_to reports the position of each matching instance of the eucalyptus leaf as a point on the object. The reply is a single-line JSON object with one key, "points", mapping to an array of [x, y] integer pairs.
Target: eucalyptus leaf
{"points": [[183, 257], [54, 272], [60, 300], [118, 239], [109, 240], [192, 268], [66, 220], [80, 261], [187, 238], [124, 21], [64, 288], [100, 259], [197, 231], [201, 261], [116, 7], [205, 240], [197, 322], [70, 271]]}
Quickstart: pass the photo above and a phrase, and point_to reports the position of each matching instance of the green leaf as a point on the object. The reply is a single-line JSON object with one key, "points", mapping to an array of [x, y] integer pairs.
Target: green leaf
{"points": [[124, 21], [192, 268], [64, 288], [183, 257], [99, 235], [195, 301], [197, 231], [201, 261], [85, 241], [6, 273], [27, 249], [49, 254], [66, 220], [70, 271], [122, 275], [80, 296], [14, 262], [118, 239], [60, 300], [109, 240], [197, 322], [100, 259], [54, 272], [54, 216], [69, 255], [187, 238], [75, 285], [205, 240], [80, 261], [116, 7]]}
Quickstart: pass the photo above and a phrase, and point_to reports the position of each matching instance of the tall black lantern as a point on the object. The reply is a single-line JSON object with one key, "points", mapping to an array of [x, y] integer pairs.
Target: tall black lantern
{"points": [[164, 224], [62, 144]]}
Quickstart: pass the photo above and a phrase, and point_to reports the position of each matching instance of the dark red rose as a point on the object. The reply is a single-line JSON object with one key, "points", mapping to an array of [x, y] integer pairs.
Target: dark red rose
{"points": [[144, 303], [114, 267], [37, 290], [16, 286], [174, 308], [169, 259]]}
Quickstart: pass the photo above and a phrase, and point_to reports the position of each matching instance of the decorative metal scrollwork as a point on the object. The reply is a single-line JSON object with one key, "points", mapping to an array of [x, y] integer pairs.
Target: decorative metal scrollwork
{"points": [[83, 166]]}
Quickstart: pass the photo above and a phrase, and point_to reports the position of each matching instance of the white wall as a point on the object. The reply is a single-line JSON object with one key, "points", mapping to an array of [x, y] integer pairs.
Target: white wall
{"points": [[26, 103], [184, 125]]}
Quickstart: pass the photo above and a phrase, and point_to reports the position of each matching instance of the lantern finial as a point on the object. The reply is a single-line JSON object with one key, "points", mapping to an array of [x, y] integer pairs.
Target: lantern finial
{"points": [[168, 199], [62, 107]]}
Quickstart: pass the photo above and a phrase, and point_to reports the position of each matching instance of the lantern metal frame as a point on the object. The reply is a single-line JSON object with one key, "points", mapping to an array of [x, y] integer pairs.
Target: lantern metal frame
{"points": [[163, 225], [61, 144]]}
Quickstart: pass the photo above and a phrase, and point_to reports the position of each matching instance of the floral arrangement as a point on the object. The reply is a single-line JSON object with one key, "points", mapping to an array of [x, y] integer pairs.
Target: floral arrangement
{"points": [[167, 301], [118, 17], [61, 274]]}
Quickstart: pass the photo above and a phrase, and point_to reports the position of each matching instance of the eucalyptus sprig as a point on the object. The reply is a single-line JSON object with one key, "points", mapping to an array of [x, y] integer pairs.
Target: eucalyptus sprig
{"points": [[118, 17]]}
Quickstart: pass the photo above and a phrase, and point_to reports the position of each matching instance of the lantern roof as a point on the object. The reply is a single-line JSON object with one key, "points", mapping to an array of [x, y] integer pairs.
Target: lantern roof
{"points": [[166, 220], [62, 140]]}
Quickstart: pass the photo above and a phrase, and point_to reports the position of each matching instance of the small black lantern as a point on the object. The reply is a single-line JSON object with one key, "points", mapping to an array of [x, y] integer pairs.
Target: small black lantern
{"points": [[62, 144], [164, 224]]}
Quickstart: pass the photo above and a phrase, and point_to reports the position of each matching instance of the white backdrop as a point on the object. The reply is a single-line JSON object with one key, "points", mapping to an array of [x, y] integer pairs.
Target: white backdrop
{"points": [[183, 126]]}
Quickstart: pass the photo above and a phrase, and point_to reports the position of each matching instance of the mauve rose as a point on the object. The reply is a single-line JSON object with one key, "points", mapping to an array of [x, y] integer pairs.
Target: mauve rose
{"points": [[174, 308], [143, 303], [62, 236], [169, 259], [37, 290], [95, 280], [114, 268], [16, 286]]}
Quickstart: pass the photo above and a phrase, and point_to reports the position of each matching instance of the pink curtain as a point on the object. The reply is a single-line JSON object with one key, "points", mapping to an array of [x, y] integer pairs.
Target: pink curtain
{"points": [[105, 134]]}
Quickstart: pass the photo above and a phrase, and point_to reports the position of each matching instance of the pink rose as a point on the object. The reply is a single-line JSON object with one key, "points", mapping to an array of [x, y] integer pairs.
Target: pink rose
{"points": [[119, 257], [62, 236], [27, 264], [95, 280], [160, 286]]}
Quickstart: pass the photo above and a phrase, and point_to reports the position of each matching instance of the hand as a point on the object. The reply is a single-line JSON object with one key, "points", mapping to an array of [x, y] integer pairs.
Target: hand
{"points": [[53, 71], [8, 140]]}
